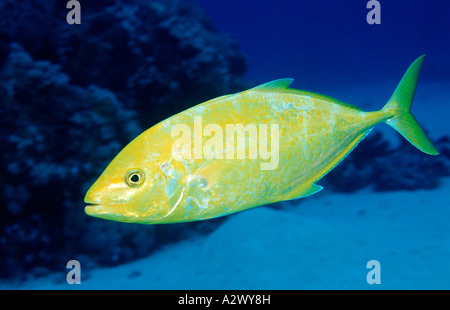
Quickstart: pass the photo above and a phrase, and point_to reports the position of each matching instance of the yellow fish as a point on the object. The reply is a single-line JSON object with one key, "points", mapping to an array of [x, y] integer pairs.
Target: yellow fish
{"points": [[266, 144]]}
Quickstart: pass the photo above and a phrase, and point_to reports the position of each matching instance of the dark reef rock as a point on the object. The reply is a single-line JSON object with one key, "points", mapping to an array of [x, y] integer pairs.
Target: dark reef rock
{"points": [[71, 96], [159, 57], [357, 169], [56, 138], [375, 163]]}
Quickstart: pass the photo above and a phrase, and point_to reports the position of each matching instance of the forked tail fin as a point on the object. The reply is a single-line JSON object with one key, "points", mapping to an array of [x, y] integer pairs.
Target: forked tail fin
{"points": [[399, 105]]}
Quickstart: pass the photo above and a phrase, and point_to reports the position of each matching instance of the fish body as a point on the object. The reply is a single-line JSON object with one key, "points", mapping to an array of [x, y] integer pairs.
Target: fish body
{"points": [[267, 144]]}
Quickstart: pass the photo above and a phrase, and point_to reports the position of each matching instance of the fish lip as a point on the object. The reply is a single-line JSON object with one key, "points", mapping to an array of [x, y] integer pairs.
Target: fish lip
{"points": [[100, 209], [92, 209], [110, 211], [91, 202]]}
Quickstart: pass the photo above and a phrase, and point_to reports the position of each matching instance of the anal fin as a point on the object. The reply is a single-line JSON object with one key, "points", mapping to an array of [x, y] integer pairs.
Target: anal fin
{"points": [[304, 191]]}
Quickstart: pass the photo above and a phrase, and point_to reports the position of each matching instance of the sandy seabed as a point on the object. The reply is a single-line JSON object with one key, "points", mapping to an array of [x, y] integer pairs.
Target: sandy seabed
{"points": [[320, 242]]}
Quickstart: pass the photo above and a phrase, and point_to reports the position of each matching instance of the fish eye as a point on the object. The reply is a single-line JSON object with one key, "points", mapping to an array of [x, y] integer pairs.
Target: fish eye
{"points": [[134, 178]]}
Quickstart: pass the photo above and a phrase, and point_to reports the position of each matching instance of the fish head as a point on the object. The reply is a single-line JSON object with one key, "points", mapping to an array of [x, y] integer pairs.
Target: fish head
{"points": [[131, 189]]}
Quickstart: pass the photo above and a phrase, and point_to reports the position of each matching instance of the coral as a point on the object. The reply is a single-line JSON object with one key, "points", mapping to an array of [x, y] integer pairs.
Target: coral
{"points": [[412, 169], [357, 169], [71, 96], [56, 138], [158, 57], [375, 163]]}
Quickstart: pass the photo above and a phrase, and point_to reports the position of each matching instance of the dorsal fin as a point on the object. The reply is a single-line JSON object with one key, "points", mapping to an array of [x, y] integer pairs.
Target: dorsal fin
{"points": [[276, 84], [283, 85]]}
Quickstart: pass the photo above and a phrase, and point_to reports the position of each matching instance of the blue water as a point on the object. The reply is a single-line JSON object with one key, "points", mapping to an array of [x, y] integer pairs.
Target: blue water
{"points": [[73, 96], [330, 44]]}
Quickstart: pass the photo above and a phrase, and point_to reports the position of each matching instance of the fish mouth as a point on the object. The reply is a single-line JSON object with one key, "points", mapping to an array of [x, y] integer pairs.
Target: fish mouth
{"points": [[92, 209], [110, 211]]}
